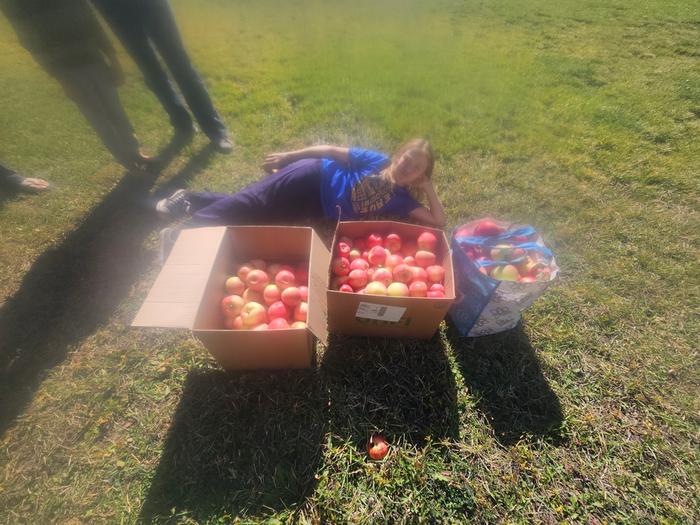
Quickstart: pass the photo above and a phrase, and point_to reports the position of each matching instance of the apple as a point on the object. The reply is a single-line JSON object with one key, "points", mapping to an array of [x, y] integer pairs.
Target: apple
{"points": [[377, 448], [425, 258], [271, 294], [346, 288], [393, 261], [340, 266], [409, 248], [273, 269], [278, 323], [343, 249], [285, 279], [527, 279], [410, 260], [261, 327], [397, 290], [507, 272], [298, 324], [437, 287], [235, 285], [291, 296], [376, 256], [365, 255], [338, 281], [402, 273], [427, 242], [463, 232], [252, 315], [435, 294], [502, 252], [253, 296], [257, 280], [258, 264], [232, 305], [233, 323], [243, 271], [276, 310], [383, 275], [358, 279], [301, 312], [436, 273], [419, 274], [302, 276], [392, 242], [304, 291], [359, 264], [418, 289], [354, 254], [374, 239], [375, 288], [488, 228]]}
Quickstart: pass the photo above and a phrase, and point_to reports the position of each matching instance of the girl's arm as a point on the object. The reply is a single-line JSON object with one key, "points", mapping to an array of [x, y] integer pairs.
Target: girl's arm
{"points": [[275, 161], [434, 214]]}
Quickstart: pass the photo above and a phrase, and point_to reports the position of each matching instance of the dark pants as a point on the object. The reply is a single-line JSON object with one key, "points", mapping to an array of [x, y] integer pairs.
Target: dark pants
{"points": [[292, 193], [8, 178], [144, 26]]}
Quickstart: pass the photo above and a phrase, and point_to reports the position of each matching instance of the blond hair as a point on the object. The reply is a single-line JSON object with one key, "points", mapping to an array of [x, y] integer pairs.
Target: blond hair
{"points": [[416, 144]]}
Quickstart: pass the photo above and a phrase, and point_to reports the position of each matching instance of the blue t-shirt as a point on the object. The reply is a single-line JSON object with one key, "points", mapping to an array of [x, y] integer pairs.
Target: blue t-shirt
{"points": [[359, 190]]}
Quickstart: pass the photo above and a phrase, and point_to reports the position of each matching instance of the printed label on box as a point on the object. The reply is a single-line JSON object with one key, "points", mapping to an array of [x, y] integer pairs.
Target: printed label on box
{"points": [[380, 312]]}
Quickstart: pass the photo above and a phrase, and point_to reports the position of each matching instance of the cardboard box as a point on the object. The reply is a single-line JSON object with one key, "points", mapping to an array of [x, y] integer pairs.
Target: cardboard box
{"points": [[372, 315], [189, 289]]}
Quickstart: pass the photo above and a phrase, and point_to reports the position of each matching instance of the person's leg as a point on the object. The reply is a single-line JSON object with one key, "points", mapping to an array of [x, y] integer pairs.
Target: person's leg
{"points": [[161, 28], [124, 19]]}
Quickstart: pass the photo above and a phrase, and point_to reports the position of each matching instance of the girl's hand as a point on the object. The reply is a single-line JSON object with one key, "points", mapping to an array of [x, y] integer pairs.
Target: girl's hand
{"points": [[275, 161]]}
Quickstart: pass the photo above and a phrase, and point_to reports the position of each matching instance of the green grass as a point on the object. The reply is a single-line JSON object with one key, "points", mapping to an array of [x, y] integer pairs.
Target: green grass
{"points": [[580, 118]]}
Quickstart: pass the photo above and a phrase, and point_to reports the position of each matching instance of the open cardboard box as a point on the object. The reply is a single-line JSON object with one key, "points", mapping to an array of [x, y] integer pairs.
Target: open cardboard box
{"points": [[189, 289], [380, 315]]}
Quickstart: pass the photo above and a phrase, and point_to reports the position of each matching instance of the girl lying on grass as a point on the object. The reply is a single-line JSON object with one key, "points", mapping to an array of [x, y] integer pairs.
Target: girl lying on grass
{"points": [[322, 181]]}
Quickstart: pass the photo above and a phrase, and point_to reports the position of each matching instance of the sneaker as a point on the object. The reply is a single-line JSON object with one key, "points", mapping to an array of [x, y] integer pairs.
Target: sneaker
{"points": [[168, 236], [175, 206], [223, 144]]}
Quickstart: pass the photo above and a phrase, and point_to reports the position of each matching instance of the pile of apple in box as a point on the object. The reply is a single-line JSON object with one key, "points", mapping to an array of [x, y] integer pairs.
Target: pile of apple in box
{"points": [[388, 265], [266, 295]]}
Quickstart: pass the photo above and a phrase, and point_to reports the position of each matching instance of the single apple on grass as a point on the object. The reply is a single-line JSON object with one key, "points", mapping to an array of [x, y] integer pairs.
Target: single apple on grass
{"points": [[377, 447], [235, 285], [252, 315], [232, 305], [397, 290]]}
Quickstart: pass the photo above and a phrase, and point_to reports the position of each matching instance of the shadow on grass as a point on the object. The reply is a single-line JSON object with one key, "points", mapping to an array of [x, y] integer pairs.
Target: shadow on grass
{"points": [[75, 287], [503, 374], [239, 444], [402, 388]]}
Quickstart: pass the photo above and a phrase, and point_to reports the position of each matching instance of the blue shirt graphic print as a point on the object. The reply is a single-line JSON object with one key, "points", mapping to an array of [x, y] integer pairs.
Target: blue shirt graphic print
{"points": [[358, 188]]}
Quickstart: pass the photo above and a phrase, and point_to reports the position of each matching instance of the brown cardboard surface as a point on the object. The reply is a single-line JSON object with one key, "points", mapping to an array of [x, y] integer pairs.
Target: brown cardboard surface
{"points": [[319, 261], [174, 299], [422, 316]]}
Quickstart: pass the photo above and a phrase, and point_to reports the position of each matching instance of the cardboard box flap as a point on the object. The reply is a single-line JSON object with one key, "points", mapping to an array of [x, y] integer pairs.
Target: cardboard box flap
{"points": [[175, 297], [319, 261]]}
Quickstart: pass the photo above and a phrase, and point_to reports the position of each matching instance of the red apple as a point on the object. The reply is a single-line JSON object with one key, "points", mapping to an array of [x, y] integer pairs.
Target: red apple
{"points": [[397, 290], [271, 294], [343, 249], [235, 285], [527, 279], [436, 273], [464, 232], [304, 291], [403, 274], [278, 323], [253, 296], [437, 287], [418, 289], [358, 279], [233, 323], [436, 294], [419, 274], [409, 248], [273, 269], [285, 279], [392, 242], [338, 281], [377, 448], [302, 276], [393, 260], [346, 288], [383, 275], [291, 296], [301, 312], [232, 305], [359, 264], [276, 310], [243, 271], [252, 315], [488, 228], [427, 242], [340, 266], [425, 258], [375, 288], [410, 260], [376, 256], [374, 239], [257, 280]]}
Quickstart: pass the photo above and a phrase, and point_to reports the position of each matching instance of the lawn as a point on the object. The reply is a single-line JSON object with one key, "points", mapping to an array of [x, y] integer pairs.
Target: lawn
{"points": [[581, 118]]}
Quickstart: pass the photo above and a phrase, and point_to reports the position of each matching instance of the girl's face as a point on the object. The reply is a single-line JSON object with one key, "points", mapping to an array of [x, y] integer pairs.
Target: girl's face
{"points": [[410, 167]]}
